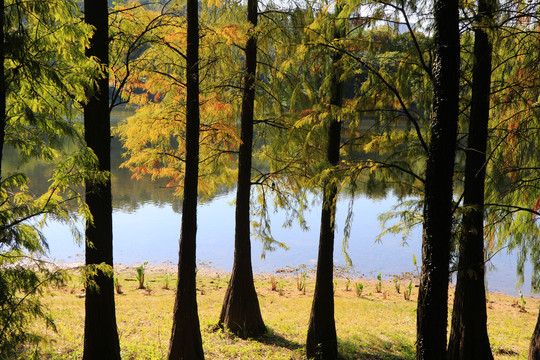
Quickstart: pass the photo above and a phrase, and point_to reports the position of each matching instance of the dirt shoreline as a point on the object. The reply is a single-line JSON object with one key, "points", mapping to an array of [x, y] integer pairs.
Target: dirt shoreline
{"points": [[206, 269], [210, 270]]}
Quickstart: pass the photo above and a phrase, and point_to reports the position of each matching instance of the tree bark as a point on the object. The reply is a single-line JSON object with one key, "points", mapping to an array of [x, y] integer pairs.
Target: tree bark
{"points": [[321, 340], [100, 331], [433, 292], [534, 347], [186, 341], [240, 312], [468, 337]]}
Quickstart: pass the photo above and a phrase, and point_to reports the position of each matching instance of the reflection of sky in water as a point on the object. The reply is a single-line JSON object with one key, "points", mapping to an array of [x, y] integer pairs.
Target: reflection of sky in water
{"points": [[151, 234]]}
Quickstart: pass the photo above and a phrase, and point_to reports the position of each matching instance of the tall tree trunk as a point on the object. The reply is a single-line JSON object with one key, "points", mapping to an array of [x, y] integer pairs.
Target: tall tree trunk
{"points": [[100, 332], [3, 85], [433, 293], [468, 337], [321, 340], [240, 312], [534, 347], [186, 341]]}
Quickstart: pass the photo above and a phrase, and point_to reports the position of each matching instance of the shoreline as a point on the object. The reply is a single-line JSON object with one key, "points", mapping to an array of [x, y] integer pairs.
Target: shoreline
{"points": [[289, 272]]}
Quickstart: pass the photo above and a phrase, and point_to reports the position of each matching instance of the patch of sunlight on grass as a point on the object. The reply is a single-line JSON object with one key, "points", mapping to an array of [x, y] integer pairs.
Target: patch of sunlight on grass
{"points": [[375, 326]]}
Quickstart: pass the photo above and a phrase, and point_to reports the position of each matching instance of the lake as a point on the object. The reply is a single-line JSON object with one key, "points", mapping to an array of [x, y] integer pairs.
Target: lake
{"points": [[147, 220]]}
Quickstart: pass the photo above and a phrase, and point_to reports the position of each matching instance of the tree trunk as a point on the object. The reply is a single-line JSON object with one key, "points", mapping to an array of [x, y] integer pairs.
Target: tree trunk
{"points": [[433, 293], [534, 347], [240, 312], [186, 341], [321, 340], [100, 332], [3, 85], [468, 337]]}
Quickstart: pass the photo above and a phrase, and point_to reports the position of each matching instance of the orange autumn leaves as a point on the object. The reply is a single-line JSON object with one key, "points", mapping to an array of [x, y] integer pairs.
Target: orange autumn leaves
{"points": [[154, 137]]}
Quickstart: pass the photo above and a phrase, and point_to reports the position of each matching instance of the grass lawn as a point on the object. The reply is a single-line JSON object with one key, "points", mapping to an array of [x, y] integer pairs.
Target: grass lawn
{"points": [[373, 326]]}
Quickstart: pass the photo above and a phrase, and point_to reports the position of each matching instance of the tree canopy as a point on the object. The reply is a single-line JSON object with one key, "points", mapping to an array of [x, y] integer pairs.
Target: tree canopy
{"points": [[312, 98]]}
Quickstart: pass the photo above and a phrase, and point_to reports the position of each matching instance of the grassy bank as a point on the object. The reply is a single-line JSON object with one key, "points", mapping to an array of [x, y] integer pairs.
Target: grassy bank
{"points": [[373, 326]]}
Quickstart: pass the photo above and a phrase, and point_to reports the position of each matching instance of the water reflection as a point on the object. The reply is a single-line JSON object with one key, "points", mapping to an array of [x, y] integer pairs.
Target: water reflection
{"points": [[147, 226], [149, 232]]}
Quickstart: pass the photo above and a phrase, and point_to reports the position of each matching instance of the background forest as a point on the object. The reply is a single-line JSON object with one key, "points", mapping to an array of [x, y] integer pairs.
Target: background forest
{"points": [[437, 102]]}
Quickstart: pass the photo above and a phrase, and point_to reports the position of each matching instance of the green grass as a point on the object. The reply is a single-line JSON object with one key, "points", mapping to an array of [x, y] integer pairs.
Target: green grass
{"points": [[368, 327]]}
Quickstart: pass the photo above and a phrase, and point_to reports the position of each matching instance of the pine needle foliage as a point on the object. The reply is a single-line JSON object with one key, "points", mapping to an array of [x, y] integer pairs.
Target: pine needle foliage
{"points": [[155, 136], [46, 75], [23, 274]]}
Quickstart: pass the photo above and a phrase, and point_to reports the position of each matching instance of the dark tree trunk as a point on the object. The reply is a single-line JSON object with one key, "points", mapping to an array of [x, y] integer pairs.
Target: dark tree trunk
{"points": [[534, 347], [186, 341], [100, 332], [433, 293], [3, 85], [321, 340], [468, 337], [240, 312]]}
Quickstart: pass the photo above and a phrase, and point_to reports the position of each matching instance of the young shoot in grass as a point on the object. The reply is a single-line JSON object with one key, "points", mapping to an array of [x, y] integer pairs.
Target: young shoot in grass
{"points": [[407, 293], [117, 286], [148, 289], [167, 280], [379, 285], [359, 287], [301, 282], [280, 288], [140, 274]]}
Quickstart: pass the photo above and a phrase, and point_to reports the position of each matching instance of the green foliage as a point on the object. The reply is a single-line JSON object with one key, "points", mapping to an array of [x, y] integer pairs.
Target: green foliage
{"points": [[396, 284], [47, 78], [409, 215], [301, 281], [167, 282], [359, 287], [280, 287], [90, 271], [154, 80], [512, 191], [117, 286], [407, 294], [523, 302], [47, 75], [23, 275], [140, 274]]}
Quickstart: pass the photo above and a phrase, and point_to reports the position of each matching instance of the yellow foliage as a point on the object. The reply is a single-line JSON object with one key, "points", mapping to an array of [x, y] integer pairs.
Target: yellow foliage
{"points": [[232, 34], [216, 3]]}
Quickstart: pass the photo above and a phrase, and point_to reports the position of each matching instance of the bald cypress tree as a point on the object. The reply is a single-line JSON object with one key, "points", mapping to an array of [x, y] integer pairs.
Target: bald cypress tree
{"points": [[186, 341], [321, 340], [100, 331], [240, 312], [433, 293], [469, 338]]}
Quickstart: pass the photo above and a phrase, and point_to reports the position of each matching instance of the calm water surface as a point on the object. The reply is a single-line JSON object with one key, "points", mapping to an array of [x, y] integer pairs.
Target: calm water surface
{"points": [[147, 228], [149, 231]]}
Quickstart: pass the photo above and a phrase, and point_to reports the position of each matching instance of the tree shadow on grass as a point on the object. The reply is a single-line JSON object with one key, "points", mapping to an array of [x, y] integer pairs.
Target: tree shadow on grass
{"points": [[274, 339], [371, 347], [358, 347]]}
